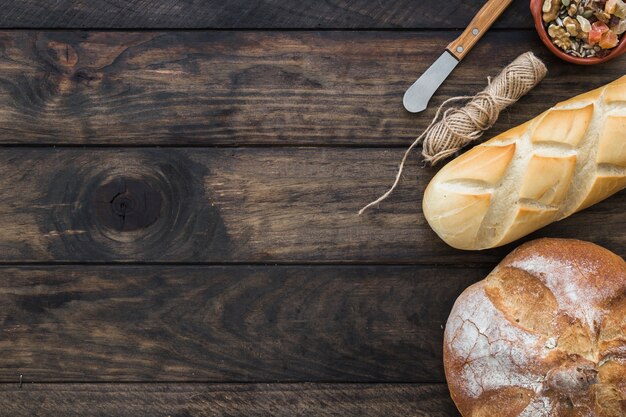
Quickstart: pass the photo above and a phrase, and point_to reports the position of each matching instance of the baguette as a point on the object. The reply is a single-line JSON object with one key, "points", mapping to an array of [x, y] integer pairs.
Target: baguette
{"points": [[563, 161]]}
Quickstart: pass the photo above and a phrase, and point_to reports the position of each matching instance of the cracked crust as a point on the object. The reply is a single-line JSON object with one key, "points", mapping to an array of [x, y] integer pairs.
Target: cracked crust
{"points": [[564, 160], [544, 335]]}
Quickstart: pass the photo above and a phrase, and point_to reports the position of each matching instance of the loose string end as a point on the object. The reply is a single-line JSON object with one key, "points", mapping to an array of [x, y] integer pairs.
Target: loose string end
{"points": [[408, 152], [398, 175], [393, 187]]}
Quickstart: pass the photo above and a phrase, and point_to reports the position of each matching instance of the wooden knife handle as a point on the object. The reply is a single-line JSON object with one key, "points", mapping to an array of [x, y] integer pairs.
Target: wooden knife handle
{"points": [[478, 27]]}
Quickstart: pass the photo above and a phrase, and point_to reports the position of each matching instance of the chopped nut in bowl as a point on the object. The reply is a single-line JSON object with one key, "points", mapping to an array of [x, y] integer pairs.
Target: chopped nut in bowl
{"points": [[582, 31]]}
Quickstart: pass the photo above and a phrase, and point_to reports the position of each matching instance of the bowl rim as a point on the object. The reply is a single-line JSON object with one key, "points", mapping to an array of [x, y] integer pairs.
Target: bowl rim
{"points": [[535, 8]]}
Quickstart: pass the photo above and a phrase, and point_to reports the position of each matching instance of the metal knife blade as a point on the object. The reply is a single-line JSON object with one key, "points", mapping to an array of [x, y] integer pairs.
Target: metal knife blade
{"points": [[418, 95]]}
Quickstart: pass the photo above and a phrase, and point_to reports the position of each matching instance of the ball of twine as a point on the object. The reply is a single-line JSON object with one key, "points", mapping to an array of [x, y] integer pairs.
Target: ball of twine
{"points": [[460, 126], [456, 127]]}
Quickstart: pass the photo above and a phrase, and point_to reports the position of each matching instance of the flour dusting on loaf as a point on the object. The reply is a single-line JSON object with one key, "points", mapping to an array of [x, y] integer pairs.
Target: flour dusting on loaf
{"points": [[566, 280], [563, 161], [496, 354], [543, 335], [539, 407]]}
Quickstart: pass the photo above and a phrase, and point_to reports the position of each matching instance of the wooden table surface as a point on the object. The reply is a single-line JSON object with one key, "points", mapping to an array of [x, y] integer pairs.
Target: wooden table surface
{"points": [[179, 183]]}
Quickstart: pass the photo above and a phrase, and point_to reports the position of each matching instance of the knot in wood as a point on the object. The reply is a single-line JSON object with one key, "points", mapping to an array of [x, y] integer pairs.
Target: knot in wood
{"points": [[123, 205], [61, 55], [127, 205]]}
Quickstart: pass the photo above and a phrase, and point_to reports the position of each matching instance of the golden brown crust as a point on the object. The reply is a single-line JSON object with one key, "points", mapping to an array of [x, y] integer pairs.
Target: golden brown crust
{"points": [[564, 160], [453, 208], [483, 163], [564, 126], [547, 179], [617, 93], [527, 220], [602, 186], [612, 145], [543, 335]]}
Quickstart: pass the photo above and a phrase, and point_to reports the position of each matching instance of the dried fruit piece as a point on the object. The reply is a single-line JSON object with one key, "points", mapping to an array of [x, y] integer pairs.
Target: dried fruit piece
{"points": [[609, 40], [621, 10], [610, 6], [600, 27], [597, 29], [594, 36], [620, 27], [602, 53], [616, 7]]}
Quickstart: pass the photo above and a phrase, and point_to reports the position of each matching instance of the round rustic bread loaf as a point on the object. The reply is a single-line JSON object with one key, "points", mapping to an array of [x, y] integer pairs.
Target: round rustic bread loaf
{"points": [[544, 335]]}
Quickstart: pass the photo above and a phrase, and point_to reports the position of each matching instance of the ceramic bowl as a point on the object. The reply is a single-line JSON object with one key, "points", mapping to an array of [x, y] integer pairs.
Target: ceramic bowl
{"points": [[535, 8]]}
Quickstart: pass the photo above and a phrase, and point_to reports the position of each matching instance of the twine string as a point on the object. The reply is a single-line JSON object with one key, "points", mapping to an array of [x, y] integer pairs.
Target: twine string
{"points": [[460, 126], [408, 151]]}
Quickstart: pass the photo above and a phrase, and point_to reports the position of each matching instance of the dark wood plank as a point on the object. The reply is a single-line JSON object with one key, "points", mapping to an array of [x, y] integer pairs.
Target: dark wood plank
{"points": [[245, 205], [272, 14], [227, 400], [236, 323], [249, 88]]}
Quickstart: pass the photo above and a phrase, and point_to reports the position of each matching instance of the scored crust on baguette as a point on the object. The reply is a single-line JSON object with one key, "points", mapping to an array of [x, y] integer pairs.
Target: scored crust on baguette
{"points": [[612, 146], [547, 179], [566, 159], [544, 335], [564, 126]]}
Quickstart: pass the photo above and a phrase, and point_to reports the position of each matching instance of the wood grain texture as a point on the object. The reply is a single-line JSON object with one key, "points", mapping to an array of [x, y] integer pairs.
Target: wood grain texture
{"points": [[227, 400], [250, 88], [262, 14], [236, 323], [245, 205], [71, 325]]}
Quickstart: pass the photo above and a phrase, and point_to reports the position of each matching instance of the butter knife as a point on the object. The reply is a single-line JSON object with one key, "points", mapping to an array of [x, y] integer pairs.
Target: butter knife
{"points": [[419, 94]]}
